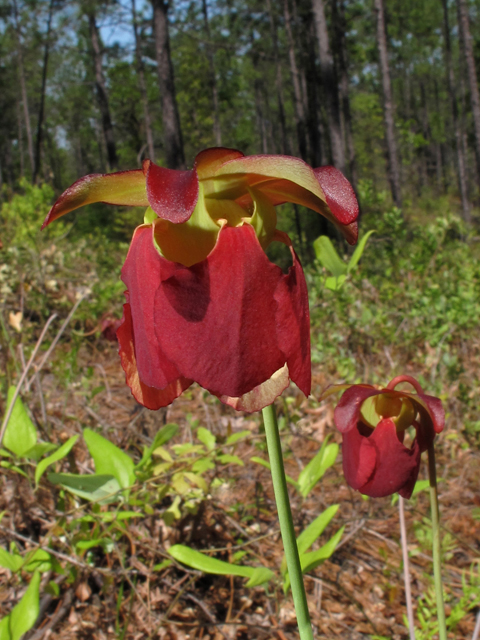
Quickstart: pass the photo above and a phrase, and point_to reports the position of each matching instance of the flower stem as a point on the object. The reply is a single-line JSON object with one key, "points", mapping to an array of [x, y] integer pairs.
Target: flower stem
{"points": [[437, 562], [286, 523], [406, 568]]}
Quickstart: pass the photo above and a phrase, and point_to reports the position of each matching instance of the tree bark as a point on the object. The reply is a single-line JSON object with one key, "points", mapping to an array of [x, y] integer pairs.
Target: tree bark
{"points": [[461, 166], [278, 80], [142, 85], [297, 89], [41, 110], [340, 28], [217, 131], [102, 95], [172, 132], [23, 88], [466, 38], [330, 86], [392, 153]]}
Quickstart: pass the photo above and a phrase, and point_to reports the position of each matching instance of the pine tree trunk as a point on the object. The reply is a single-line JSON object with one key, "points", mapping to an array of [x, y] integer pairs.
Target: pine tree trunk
{"points": [[472, 74], [102, 95], [297, 90], [330, 86], [461, 166], [393, 163], [172, 132], [340, 45], [217, 131], [278, 80], [315, 143], [142, 85], [41, 110], [23, 88]]}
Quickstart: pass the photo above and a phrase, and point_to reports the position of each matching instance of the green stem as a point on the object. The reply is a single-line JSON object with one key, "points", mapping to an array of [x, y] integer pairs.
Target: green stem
{"points": [[286, 523], [436, 548]]}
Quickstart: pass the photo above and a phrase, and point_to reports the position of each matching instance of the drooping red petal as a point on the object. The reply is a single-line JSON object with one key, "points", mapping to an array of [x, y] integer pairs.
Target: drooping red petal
{"points": [[142, 273], [149, 397], [359, 458], [172, 194], [216, 319], [347, 411], [293, 324], [122, 188], [339, 194], [396, 468]]}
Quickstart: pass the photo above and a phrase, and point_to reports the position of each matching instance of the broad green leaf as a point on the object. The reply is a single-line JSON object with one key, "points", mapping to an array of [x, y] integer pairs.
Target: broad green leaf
{"points": [[311, 474], [163, 453], [335, 284], [20, 434], [235, 437], [206, 437], [266, 464], [13, 467], [11, 561], [359, 249], [60, 453], [39, 450], [165, 434], [187, 447], [24, 615], [38, 560], [311, 560], [95, 487], [328, 257], [202, 562], [315, 529], [203, 464], [227, 458], [109, 459], [106, 544], [162, 565], [111, 516], [197, 480]]}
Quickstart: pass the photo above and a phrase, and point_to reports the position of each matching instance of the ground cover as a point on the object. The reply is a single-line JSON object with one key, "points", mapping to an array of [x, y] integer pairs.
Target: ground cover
{"points": [[412, 306]]}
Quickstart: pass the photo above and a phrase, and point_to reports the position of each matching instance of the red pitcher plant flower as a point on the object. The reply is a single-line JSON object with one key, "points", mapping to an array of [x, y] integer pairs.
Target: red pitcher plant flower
{"points": [[203, 301], [373, 423]]}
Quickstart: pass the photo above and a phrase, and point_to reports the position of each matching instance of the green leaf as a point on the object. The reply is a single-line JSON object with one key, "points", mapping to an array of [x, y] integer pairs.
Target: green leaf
{"points": [[202, 562], [235, 437], [227, 458], [60, 453], [162, 565], [39, 450], [266, 464], [323, 460], [202, 464], [13, 467], [315, 529], [96, 488], [24, 615], [335, 284], [11, 561], [38, 560], [197, 480], [165, 434], [359, 249], [20, 434], [206, 437], [311, 560], [109, 459], [328, 257]]}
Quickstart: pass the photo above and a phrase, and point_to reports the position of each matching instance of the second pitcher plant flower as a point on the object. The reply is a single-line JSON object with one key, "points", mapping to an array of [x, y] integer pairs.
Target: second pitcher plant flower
{"points": [[203, 301]]}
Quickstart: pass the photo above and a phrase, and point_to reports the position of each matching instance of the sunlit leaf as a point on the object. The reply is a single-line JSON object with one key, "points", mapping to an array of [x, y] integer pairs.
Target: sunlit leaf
{"points": [[60, 453], [109, 459], [20, 434]]}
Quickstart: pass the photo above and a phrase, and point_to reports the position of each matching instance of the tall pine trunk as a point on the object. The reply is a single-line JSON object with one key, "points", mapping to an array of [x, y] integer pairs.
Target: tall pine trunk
{"points": [[297, 89], [23, 88], [278, 80], [461, 165], [392, 153], [464, 24], [41, 110], [102, 95], [340, 47], [142, 85], [330, 86], [172, 132], [217, 131]]}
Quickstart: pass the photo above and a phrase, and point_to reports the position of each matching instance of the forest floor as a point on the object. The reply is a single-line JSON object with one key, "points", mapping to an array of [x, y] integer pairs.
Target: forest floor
{"points": [[121, 592]]}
